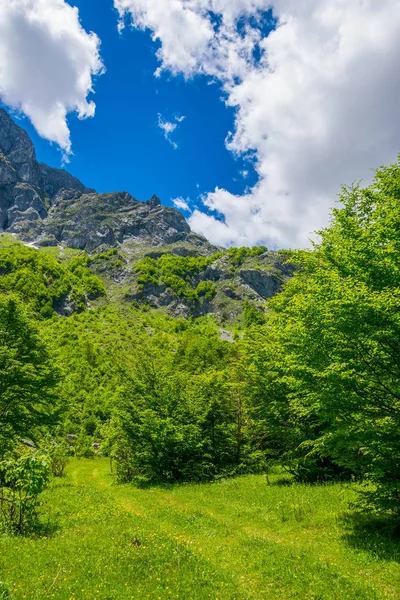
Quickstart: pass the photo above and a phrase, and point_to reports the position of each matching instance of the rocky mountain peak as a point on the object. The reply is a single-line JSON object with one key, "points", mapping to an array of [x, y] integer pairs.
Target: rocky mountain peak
{"points": [[155, 201], [49, 206], [18, 155]]}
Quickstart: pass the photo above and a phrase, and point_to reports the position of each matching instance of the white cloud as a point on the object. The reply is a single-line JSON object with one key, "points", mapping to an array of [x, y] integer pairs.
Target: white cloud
{"points": [[181, 204], [190, 42], [168, 127], [319, 109], [47, 64]]}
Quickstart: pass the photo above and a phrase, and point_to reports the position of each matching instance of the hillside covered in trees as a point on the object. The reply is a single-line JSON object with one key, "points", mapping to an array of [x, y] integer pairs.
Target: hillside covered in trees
{"points": [[311, 382]]}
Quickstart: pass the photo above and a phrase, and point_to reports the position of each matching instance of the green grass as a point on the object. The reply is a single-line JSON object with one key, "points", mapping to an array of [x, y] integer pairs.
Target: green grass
{"points": [[237, 539], [6, 241], [63, 254]]}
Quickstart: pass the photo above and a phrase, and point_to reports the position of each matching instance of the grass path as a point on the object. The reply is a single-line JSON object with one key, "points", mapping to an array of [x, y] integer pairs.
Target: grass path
{"points": [[239, 539]]}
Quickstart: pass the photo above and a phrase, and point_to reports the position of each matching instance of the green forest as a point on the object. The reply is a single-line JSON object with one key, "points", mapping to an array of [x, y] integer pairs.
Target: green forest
{"points": [[304, 399]]}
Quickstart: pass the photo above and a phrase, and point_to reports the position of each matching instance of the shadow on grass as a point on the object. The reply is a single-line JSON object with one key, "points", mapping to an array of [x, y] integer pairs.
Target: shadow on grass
{"points": [[379, 536], [40, 527], [281, 481], [5, 593], [144, 485], [43, 528], [36, 530]]}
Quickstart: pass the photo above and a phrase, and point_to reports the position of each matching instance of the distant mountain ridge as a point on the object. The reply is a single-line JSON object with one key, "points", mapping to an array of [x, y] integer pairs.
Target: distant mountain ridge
{"points": [[50, 207]]}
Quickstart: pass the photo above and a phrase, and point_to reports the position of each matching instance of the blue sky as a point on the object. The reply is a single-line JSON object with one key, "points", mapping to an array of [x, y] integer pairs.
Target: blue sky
{"points": [[122, 147], [310, 94]]}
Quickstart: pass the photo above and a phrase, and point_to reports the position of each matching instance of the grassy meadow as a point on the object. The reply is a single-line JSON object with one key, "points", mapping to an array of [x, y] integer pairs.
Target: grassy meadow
{"points": [[245, 538]]}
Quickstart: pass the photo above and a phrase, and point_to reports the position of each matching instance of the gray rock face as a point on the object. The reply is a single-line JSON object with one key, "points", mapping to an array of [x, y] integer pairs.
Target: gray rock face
{"points": [[265, 284], [49, 206], [18, 151], [27, 188], [57, 181], [255, 279], [89, 221]]}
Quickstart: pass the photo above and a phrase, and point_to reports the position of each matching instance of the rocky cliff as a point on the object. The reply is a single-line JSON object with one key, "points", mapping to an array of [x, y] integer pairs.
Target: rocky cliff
{"points": [[223, 286], [28, 189], [46, 207], [49, 206]]}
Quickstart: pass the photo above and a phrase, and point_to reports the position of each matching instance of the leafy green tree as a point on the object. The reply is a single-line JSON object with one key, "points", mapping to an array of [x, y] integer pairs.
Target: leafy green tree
{"points": [[251, 315], [216, 418], [27, 376], [334, 342], [176, 411], [157, 422]]}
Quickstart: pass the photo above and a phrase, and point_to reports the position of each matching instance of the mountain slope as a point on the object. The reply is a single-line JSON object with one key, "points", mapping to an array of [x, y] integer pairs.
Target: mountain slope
{"points": [[48, 207]]}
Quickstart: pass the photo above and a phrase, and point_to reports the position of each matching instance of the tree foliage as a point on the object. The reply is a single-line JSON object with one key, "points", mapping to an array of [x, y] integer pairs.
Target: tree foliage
{"points": [[27, 376], [314, 383], [180, 273], [178, 416], [23, 477], [328, 362], [44, 282]]}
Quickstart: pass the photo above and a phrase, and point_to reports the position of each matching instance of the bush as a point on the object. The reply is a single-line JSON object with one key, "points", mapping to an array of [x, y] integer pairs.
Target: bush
{"points": [[178, 272], [251, 315], [43, 282], [84, 448], [239, 255], [59, 454], [206, 289], [179, 418], [23, 477], [125, 468]]}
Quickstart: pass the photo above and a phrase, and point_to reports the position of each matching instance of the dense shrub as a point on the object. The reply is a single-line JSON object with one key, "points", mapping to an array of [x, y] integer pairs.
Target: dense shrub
{"points": [[23, 477], [239, 255], [252, 315], [206, 289], [58, 452], [43, 282], [178, 273], [179, 418]]}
